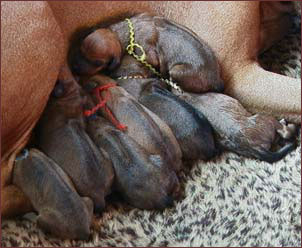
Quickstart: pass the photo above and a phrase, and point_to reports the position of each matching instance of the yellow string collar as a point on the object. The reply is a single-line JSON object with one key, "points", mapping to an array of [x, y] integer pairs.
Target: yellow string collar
{"points": [[142, 58]]}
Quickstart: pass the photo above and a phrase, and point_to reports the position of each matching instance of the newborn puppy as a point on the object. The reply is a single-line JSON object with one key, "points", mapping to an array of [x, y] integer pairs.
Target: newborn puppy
{"points": [[142, 178], [241, 132], [143, 126], [62, 211], [174, 50], [191, 129], [61, 136]]}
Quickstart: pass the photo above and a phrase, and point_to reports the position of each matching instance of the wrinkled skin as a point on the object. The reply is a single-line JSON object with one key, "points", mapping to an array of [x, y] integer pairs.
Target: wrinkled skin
{"points": [[141, 124], [62, 211], [191, 129], [187, 60], [61, 136], [142, 178], [239, 131]]}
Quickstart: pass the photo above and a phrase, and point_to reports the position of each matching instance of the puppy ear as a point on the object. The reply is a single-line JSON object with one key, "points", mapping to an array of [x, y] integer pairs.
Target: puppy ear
{"points": [[179, 70], [180, 74]]}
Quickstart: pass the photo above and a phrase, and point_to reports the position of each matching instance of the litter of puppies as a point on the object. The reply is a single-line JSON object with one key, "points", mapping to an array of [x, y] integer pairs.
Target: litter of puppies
{"points": [[147, 98]]}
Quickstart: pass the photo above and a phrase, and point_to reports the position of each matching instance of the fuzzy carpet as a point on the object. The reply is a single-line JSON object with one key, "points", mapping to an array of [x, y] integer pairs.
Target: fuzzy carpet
{"points": [[230, 201]]}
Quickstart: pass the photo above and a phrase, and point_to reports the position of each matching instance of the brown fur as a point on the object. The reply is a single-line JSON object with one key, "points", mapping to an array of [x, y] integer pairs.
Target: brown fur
{"points": [[231, 28], [144, 179], [238, 130], [61, 136], [141, 126], [62, 211], [191, 129], [275, 22], [187, 60], [31, 55]]}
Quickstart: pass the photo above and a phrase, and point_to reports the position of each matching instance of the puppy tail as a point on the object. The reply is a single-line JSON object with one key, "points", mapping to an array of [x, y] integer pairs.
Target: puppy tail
{"points": [[272, 157]]}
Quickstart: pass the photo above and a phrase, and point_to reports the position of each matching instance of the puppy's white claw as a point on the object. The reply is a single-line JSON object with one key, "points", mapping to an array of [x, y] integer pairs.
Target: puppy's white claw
{"points": [[283, 121]]}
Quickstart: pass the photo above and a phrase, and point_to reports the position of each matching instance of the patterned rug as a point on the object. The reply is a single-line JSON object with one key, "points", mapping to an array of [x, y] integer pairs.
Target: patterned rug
{"points": [[230, 201]]}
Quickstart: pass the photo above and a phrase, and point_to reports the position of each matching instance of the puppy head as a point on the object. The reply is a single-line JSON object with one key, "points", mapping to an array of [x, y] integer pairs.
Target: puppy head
{"points": [[99, 50], [65, 226], [67, 95], [158, 190]]}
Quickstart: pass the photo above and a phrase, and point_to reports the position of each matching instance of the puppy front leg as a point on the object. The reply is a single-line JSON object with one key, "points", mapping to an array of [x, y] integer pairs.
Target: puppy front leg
{"points": [[267, 92]]}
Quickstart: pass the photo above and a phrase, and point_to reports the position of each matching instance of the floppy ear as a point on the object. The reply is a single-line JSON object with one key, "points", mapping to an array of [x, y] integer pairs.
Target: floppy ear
{"points": [[183, 75], [179, 71]]}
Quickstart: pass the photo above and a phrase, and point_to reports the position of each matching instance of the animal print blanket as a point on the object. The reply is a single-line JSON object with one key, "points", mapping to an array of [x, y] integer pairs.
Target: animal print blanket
{"points": [[230, 201]]}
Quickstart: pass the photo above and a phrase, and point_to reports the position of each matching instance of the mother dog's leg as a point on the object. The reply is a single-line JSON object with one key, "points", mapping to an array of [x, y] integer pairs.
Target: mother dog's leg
{"points": [[31, 54], [267, 92]]}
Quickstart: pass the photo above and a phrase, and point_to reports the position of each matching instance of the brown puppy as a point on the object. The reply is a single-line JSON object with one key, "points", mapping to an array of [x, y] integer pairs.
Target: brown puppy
{"points": [[174, 50], [191, 129], [142, 125], [240, 131], [61, 136], [142, 178], [62, 211]]}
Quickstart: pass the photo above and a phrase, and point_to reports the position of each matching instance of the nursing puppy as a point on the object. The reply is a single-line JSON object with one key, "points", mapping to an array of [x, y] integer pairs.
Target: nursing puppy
{"points": [[240, 131], [62, 211], [191, 129], [174, 50], [142, 178], [143, 126], [61, 136]]}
